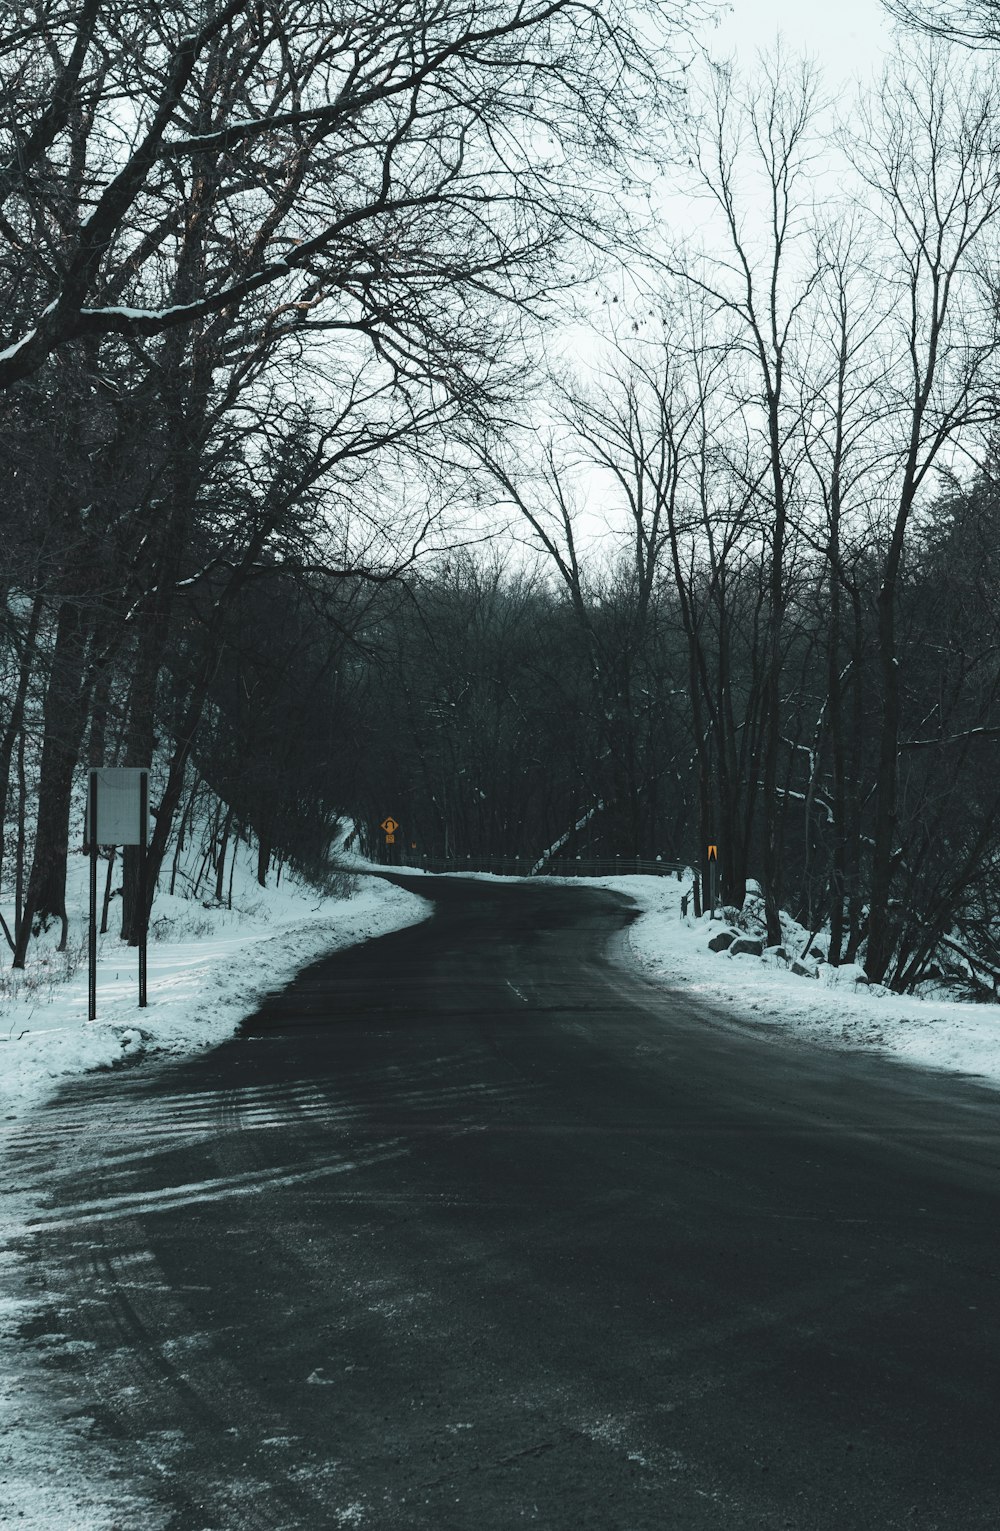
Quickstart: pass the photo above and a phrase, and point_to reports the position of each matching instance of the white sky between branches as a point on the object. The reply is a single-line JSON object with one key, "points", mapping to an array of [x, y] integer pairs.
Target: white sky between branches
{"points": [[848, 39]]}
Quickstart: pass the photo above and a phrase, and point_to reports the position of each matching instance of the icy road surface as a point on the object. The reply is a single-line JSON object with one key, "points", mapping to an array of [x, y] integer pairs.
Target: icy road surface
{"points": [[475, 1227]]}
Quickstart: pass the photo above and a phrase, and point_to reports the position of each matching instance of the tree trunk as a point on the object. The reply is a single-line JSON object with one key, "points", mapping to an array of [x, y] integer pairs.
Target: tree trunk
{"points": [[881, 927], [853, 807], [835, 710], [174, 789], [15, 725], [263, 859], [772, 687], [105, 907], [65, 720], [22, 815], [141, 736], [220, 867]]}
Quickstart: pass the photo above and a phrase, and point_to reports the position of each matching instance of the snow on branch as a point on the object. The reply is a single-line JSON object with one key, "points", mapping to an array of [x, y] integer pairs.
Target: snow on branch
{"points": [[970, 733], [557, 845]]}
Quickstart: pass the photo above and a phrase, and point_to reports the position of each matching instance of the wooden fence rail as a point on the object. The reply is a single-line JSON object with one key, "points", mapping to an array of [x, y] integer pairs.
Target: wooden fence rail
{"points": [[554, 866]]}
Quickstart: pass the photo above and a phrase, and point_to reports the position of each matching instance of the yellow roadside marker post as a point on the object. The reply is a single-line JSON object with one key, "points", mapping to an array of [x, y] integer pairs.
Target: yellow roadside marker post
{"points": [[713, 871]]}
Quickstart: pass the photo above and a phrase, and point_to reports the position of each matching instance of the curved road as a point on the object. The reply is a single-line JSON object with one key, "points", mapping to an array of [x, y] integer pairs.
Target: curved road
{"points": [[476, 1228]]}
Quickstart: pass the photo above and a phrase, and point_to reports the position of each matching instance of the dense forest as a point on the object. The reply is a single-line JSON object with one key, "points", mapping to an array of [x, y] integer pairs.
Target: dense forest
{"points": [[376, 438]]}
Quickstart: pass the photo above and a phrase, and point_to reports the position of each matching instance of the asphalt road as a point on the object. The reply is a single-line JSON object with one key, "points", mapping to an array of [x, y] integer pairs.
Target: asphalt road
{"points": [[475, 1228]]}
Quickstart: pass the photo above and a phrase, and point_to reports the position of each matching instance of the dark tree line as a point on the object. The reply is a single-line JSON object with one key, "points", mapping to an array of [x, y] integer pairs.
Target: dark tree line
{"points": [[274, 284], [473, 719], [257, 261]]}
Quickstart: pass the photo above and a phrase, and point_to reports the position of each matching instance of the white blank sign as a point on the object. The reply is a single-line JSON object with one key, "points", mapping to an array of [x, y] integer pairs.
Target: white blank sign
{"points": [[119, 806]]}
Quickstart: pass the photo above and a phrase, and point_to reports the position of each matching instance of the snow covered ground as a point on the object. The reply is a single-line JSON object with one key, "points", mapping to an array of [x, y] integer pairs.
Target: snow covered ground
{"points": [[832, 1009], [208, 969]]}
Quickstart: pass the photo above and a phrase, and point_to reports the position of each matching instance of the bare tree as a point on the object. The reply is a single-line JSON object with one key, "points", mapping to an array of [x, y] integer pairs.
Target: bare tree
{"points": [[842, 414], [195, 198], [926, 147], [380, 170], [649, 428], [754, 155], [971, 23]]}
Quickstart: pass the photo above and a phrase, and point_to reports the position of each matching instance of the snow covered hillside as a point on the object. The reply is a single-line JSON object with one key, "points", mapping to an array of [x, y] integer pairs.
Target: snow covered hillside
{"points": [[209, 966], [835, 1008]]}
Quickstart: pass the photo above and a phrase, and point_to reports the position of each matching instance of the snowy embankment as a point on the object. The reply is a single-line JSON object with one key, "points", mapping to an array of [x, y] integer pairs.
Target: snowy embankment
{"points": [[832, 1009], [209, 968]]}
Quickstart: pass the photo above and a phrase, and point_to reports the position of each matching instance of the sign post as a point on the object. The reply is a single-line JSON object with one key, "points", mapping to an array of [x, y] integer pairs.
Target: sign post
{"points": [[143, 911], [713, 872], [92, 928], [117, 814]]}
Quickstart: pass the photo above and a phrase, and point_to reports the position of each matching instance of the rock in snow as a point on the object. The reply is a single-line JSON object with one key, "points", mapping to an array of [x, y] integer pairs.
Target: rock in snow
{"points": [[848, 974], [721, 940], [747, 946]]}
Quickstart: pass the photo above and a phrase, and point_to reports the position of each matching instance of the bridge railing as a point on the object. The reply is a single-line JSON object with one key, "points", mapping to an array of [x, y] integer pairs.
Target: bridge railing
{"points": [[554, 866]]}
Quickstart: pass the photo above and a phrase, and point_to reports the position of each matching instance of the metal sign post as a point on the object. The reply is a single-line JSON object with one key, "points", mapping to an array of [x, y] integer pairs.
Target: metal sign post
{"points": [[117, 814], [143, 909], [713, 872], [92, 934]]}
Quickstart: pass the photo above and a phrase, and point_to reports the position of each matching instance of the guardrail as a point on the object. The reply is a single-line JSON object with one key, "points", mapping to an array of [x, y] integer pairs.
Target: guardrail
{"points": [[554, 866]]}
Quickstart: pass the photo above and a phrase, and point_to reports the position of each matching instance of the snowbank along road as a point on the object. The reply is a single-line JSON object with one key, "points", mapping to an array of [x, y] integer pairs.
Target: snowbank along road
{"points": [[473, 1227]]}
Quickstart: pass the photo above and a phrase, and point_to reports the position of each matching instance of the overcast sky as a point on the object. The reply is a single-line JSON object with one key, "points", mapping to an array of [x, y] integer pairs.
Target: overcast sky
{"points": [[847, 37]]}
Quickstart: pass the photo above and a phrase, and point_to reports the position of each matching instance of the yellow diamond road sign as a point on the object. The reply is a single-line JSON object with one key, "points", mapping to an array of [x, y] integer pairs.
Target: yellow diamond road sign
{"points": [[389, 825]]}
